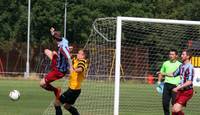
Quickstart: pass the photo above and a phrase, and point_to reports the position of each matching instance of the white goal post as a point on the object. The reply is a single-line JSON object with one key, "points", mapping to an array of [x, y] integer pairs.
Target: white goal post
{"points": [[119, 26]]}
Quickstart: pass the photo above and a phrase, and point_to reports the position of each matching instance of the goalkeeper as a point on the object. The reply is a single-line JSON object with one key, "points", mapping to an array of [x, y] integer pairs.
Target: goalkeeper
{"points": [[184, 91], [170, 82]]}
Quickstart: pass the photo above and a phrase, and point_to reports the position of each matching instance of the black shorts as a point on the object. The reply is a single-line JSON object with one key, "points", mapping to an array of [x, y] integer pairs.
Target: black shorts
{"points": [[69, 96]]}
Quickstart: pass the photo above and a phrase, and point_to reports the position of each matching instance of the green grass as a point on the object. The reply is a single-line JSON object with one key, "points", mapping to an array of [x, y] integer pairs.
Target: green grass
{"points": [[96, 99], [33, 100]]}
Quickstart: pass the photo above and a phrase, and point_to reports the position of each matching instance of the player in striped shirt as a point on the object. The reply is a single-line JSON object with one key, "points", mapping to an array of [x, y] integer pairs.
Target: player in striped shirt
{"points": [[185, 89], [60, 65]]}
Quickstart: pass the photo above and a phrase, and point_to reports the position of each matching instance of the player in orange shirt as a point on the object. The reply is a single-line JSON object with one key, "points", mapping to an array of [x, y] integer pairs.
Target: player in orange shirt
{"points": [[78, 72]]}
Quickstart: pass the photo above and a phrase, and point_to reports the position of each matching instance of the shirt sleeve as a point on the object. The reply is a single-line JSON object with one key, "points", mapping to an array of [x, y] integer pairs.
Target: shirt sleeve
{"points": [[177, 71], [82, 64], [190, 73], [162, 70]]}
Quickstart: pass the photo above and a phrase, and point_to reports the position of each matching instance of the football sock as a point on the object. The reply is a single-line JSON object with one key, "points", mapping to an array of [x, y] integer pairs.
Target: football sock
{"points": [[178, 113], [58, 110], [73, 111], [50, 87], [181, 113]]}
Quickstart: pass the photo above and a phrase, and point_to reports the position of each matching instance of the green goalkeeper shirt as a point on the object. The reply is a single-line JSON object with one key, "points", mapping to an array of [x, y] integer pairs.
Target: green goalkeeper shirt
{"points": [[170, 67]]}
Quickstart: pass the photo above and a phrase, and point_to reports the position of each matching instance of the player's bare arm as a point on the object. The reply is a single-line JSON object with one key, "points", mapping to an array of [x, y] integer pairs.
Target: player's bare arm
{"points": [[160, 76], [187, 83], [78, 70]]}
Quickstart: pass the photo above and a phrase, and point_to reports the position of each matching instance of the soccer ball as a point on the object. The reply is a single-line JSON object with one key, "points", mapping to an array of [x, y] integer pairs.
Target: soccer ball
{"points": [[14, 95]]}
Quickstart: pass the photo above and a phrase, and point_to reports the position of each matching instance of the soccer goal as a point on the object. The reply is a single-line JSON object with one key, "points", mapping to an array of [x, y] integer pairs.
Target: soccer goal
{"points": [[125, 52]]}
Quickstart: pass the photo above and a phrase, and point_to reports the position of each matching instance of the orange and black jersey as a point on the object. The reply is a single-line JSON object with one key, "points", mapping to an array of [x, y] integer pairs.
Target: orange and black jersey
{"points": [[75, 78]]}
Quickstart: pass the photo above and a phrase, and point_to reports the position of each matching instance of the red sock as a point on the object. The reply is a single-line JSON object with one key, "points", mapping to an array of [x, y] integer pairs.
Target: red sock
{"points": [[50, 87], [178, 113], [173, 113], [181, 113]]}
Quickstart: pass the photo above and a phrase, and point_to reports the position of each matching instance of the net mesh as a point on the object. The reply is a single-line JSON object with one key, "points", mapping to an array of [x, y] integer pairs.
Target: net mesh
{"points": [[145, 47]]}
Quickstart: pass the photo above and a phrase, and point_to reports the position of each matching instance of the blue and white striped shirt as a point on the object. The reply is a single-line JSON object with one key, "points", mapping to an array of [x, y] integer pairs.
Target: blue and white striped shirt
{"points": [[186, 72], [64, 59]]}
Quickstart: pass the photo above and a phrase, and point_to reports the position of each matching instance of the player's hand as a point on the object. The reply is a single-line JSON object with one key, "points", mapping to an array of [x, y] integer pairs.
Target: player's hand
{"points": [[160, 87], [176, 89], [158, 83]]}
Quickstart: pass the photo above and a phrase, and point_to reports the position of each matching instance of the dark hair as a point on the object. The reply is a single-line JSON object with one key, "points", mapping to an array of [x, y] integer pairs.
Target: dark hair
{"points": [[86, 53], [174, 50], [188, 52], [57, 36]]}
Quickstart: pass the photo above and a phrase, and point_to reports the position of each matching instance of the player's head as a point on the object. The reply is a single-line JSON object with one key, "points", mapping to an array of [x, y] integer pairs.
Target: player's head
{"points": [[57, 36], [83, 54], [186, 55], [173, 54]]}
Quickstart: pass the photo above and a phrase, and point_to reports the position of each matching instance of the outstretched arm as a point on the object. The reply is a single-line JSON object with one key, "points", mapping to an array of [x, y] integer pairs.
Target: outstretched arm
{"points": [[187, 83]]}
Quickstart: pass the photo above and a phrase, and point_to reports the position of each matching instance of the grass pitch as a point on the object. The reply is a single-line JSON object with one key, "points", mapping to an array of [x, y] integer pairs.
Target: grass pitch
{"points": [[96, 99]]}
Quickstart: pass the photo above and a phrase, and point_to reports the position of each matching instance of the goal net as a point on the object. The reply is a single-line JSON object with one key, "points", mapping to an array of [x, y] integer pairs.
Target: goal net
{"points": [[125, 55], [145, 44]]}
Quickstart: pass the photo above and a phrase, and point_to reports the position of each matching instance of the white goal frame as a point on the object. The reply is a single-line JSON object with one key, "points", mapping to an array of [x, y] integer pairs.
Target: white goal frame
{"points": [[118, 47]]}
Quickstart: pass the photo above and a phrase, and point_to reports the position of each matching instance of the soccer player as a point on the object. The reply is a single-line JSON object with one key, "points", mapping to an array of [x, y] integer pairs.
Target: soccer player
{"points": [[60, 63], [68, 98], [184, 91], [170, 82]]}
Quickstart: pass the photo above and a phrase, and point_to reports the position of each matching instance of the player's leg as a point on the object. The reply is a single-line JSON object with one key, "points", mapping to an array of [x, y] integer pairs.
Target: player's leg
{"points": [[173, 95], [48, 53], [57, 106], [50, 77], [46, 85], [166, 99], [182, 97], [177, 109], [71, 109], [68, 98]]}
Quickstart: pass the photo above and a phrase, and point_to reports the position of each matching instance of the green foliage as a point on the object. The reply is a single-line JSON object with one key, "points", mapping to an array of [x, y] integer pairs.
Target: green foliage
{"points": [[81, 14]]}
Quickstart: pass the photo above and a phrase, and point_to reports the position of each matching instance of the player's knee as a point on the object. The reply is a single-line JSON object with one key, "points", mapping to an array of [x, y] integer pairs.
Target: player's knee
{"points": [[42, 83], [47, 51], [67, 106], [176, 108], [57, 103]]}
